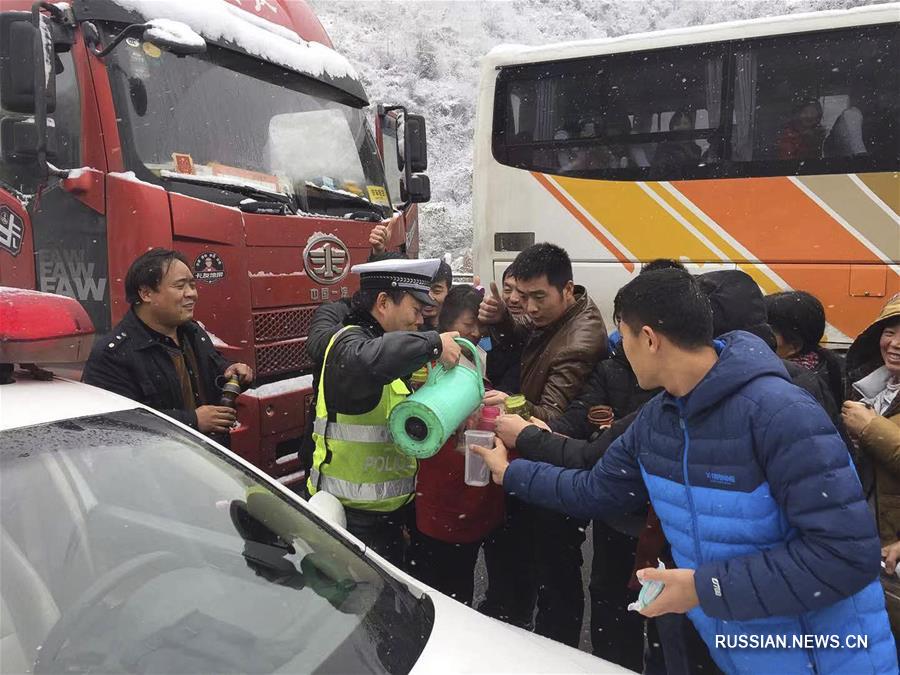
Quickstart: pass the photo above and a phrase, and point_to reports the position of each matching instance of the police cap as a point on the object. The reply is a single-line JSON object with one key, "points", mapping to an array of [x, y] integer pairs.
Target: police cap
{"points": [[413, 276]]}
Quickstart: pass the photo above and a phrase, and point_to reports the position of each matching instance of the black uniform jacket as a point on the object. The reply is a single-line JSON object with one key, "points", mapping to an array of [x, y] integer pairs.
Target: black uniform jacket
{"points": [[131, 362], [363, 360]]}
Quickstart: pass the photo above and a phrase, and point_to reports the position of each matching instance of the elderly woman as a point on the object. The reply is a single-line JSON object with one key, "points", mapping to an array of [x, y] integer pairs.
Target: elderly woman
{"points": [[873, 421]]}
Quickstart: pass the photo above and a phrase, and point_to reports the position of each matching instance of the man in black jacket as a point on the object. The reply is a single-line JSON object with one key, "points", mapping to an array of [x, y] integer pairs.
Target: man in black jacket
{"points": [[158, 355]]}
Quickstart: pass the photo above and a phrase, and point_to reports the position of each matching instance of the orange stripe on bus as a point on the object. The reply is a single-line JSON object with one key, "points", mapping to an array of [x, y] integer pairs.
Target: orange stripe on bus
{"points": [[774, 220], [799, 241], [580, 217]]}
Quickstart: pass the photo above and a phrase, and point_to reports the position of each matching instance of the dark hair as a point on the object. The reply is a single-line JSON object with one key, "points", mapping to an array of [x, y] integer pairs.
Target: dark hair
{"points": [[671, 303], [681, 113], [148, 270], [460, 299], [444, 274], [544, 259], [510, 271], [798, 316], [364, 300], [737, 304], [802, 103], [662, 264]]}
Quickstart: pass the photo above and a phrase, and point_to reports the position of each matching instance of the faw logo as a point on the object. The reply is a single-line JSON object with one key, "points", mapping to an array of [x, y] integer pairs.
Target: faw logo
{"points": [[326, 259], [11, 230]]}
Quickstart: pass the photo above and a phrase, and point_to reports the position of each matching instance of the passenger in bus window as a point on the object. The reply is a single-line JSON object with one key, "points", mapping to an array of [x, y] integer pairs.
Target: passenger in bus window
{"points": [[868, 126], [803, 135], [614, 154], [569, 158], [678, 153], [639, 154], [599, 156], [846, 136]]}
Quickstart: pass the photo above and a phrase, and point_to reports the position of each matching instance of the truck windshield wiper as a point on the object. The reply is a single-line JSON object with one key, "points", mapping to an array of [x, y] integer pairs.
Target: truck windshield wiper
{"points": [[229, 185], [343, 196]]}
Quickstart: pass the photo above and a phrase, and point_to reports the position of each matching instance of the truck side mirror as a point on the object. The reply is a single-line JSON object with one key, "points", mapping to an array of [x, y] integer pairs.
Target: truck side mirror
{"points": [[416, 186], [414, 143], [19, 140], [419, 188], [405, 154], [18, 64]]}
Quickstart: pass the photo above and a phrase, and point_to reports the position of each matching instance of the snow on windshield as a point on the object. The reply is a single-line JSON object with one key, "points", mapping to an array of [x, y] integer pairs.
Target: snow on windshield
{"points": [[316, 143], [221, 21]]}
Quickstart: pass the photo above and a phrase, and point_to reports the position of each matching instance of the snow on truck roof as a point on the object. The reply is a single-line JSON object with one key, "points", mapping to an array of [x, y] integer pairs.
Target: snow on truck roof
{"points": [[221, 21], [511, 54]]}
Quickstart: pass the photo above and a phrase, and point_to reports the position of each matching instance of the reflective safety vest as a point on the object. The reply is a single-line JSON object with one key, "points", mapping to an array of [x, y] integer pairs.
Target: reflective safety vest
{"points": [[355, 457]]}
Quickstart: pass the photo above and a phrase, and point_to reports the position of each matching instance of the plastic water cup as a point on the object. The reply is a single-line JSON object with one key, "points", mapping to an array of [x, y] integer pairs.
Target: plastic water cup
{"points": [[477, 472]]}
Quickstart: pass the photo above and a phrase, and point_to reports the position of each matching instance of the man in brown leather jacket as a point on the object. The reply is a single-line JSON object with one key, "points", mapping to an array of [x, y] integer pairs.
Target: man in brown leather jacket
{"points": [[566, 334], [565, 337]]}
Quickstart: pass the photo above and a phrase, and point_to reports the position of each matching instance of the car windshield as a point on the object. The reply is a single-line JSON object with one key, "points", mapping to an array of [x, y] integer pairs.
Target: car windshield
{"points": [[130, 545], [226, 119]]}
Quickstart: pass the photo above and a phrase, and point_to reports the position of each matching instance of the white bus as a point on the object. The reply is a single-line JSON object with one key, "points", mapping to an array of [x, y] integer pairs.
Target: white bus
{"points": [[769, 146]]}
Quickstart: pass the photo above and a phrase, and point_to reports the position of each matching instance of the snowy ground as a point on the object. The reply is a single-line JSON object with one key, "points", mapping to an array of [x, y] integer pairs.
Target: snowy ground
{"points": [[425, 54]]}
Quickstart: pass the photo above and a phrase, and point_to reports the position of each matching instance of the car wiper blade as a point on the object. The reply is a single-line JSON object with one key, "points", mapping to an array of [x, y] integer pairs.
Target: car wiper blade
{"points": [[344, 196], [231, 186]]}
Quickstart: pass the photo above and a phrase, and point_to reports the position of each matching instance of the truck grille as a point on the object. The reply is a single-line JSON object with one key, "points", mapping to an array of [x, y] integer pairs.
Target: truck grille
{"points": [[280, 337], [282, 324], [282, 357]]}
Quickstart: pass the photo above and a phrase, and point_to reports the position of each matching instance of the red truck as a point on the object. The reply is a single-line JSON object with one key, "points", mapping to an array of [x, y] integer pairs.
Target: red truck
{"points": [[229, 130]]}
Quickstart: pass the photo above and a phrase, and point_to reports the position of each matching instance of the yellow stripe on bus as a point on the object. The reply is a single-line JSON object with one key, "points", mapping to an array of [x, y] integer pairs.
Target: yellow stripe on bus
{"points": [[635, 219]]}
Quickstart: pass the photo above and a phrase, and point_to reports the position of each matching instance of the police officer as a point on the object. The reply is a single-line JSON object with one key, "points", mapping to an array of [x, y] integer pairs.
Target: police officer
{"points": [[362, 380]]}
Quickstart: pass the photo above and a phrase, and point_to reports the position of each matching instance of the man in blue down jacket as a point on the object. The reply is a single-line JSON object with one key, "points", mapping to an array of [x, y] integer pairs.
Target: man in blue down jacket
{"points": [[754, 488]]}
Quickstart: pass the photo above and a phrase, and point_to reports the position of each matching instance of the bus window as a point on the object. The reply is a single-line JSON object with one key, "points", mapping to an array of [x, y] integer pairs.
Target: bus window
{"points": [[611, 116], [818, 97]]}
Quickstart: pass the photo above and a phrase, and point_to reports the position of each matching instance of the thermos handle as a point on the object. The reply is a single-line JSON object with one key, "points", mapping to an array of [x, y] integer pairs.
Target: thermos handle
{"points": [[478, 366], [432, 377], [435, 371]]}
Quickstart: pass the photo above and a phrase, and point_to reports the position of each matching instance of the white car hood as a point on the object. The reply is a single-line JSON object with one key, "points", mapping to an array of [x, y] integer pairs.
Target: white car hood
{"points": [[464, 641]]}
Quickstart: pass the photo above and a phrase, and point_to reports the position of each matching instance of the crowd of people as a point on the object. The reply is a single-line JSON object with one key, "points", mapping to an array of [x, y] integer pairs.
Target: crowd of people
{"points": [[710, 441]]}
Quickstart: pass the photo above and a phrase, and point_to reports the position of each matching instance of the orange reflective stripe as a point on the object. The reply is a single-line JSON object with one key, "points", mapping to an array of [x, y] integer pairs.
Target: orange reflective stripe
{"points": [[587, 224]]}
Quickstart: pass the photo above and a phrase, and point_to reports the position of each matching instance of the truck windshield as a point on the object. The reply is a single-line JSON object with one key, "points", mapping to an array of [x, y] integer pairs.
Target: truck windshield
{"points": [[130, 545], [213, 123]]}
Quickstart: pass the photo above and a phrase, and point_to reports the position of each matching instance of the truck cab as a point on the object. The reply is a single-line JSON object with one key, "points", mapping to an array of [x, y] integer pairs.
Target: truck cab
{"points": [[231, 131]]}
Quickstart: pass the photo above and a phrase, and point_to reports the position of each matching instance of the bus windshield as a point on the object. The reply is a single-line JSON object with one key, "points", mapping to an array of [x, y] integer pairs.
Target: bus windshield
{"points": [[227, 120]]}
